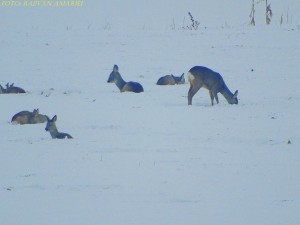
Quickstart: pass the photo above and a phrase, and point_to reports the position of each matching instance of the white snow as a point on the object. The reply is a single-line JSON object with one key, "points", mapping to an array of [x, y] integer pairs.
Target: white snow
{"points": [[149, 158]]}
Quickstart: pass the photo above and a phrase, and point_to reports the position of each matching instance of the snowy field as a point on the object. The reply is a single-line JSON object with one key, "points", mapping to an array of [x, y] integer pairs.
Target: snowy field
{"points": [[149, 158]]}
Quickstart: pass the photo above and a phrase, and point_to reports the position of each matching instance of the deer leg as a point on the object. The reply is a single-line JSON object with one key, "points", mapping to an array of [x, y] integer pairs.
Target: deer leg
{"points": [[192, 91], [211, 97], [215, 94]]}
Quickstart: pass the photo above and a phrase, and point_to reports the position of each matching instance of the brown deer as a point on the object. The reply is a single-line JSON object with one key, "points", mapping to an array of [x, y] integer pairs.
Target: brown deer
{"points": [[51, 127], [11, 89], [200, 76], [171, 80], [26, 117], [115, 77], [2, 90]]}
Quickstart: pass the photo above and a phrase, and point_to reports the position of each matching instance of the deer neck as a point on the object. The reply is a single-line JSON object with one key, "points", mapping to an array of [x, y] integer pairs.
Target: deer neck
{"points": [[54, 132], [120, 82], [226, 93]]}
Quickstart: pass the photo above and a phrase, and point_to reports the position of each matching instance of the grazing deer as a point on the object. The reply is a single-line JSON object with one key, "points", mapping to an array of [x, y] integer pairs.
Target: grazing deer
{"points": [[26, 117], [115, 77], [51, 127], [171, 80], [11, 89], [203, 77]]}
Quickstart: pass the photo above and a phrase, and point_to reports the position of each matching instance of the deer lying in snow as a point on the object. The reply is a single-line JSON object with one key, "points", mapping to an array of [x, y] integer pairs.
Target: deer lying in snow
{"points": [[115, 77], [51, 127], [171, 80], [26, 117], [11, 89]]}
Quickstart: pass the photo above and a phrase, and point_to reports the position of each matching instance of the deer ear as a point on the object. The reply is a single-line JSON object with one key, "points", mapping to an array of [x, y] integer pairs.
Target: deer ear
{"points": [[235, 94], [116, 68], [54, 118]]}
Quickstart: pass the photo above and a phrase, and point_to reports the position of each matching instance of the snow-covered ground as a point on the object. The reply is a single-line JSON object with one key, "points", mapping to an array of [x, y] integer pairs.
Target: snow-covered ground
{"points": [[150, 158]]}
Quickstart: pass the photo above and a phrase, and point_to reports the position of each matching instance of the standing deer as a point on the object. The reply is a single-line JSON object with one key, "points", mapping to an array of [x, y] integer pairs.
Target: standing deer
{"points": [[26, 117], [115, 77], [51, 127], [171, 80], [203, 77]]}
